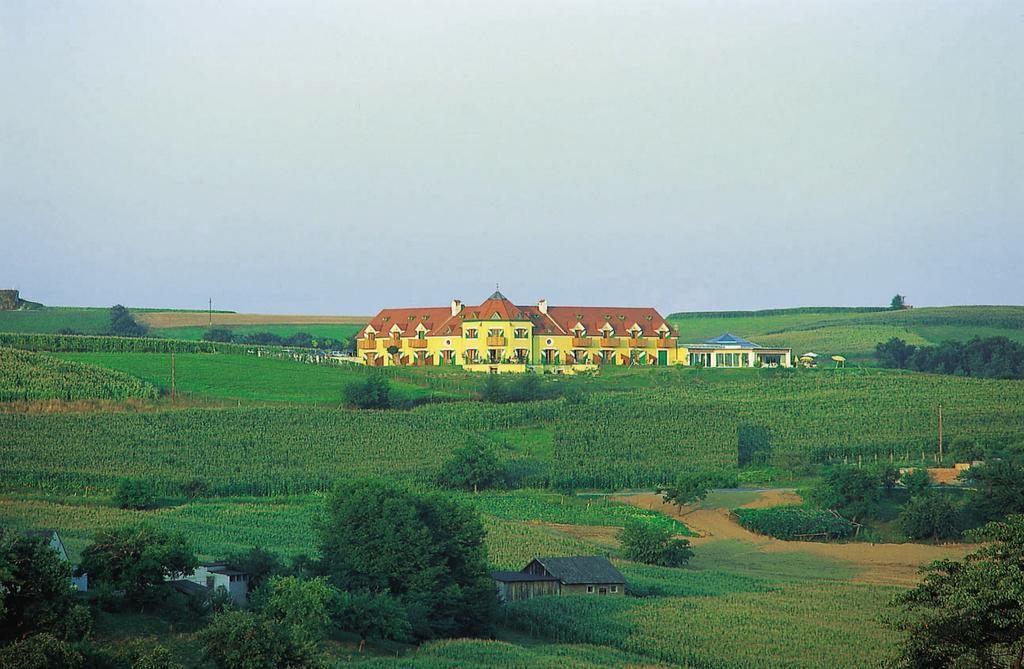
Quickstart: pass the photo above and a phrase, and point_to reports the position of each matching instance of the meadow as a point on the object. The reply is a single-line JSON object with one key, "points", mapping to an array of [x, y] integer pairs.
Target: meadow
{"points": [[853, 333], [242, 377]]}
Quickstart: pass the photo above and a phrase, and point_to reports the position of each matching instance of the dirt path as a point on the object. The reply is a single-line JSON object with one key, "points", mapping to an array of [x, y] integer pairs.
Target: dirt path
{"points": [[877, 563]]}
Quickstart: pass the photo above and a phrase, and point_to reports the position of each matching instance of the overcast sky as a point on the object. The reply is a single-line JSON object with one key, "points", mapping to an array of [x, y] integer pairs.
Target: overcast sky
{"points": [[333, 157]]}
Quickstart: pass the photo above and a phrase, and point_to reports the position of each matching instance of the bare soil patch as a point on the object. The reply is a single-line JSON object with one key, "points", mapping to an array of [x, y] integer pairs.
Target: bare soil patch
{"points": [[600, 534], [890, 564], [179, 319]]}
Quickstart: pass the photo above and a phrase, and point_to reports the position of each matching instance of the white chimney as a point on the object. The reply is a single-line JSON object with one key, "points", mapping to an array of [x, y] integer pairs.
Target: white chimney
{"points": [[456, 307], [542, 306]]}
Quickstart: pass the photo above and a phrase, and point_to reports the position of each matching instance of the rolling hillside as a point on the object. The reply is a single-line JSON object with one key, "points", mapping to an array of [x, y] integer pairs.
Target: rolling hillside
{"points": [[854, 332]]}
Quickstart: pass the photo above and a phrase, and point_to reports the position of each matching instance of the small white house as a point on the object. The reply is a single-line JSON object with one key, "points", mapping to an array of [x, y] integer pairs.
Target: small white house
{"points": [[214, 575]]}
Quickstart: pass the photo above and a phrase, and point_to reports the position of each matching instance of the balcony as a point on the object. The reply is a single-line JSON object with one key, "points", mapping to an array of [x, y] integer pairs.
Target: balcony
{"points": [[637, 342], [666, 343], [609, 342], [417, 343], [366, 344], [496, 341], [388, 343], [582, 342]]}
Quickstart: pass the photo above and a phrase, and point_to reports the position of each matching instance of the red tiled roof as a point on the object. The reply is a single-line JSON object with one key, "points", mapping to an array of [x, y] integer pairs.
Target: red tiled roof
{"points": [[619, 318], [433, 319], [439, 321]]}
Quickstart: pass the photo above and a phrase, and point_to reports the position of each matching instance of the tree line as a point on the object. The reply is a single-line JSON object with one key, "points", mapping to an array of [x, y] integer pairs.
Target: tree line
{"points": [[296, 340], [992, 357]]}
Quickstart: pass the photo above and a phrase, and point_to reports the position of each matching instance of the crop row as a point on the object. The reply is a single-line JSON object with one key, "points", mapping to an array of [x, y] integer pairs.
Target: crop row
{"points": [[830, 624], [27, 376]]}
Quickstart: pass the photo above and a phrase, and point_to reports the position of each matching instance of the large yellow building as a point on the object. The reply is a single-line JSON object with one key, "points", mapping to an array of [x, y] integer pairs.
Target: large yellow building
{"points": [[498, 336]]}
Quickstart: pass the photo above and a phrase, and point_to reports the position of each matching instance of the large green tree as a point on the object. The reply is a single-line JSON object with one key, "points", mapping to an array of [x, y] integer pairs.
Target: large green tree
{"points": [[930, 516], [306, 605], [36, 586], [691, 487], [849, 491], [123, 324], [137, 560], [424, 549], [650, 544], [969, 613], [473, 466], [998, 489]]}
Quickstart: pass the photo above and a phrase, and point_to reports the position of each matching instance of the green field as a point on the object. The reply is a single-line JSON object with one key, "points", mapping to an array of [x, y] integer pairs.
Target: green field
{"points": [[86, 320], [854, 334], [243, 377], [96, 320], [267, 457], [684, 419]]}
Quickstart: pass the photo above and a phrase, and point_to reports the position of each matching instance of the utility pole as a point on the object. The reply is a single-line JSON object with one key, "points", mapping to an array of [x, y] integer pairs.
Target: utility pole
{"points": [[172, 378], [940, 432], [211, 312]]}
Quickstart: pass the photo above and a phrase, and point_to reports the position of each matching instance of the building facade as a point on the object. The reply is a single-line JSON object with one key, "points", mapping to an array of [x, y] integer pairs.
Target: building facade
{"points": [[732, 351], [499, 336], [585, 575]]}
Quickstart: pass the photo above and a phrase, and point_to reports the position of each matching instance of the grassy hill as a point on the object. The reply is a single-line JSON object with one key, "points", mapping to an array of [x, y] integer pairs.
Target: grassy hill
{"points": [[244, 377], [853, 333], [165, 324]]}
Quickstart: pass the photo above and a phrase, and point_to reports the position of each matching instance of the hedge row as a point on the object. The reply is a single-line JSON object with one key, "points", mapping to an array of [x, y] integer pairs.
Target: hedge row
{"points": [[104, 344], [794, 523]]}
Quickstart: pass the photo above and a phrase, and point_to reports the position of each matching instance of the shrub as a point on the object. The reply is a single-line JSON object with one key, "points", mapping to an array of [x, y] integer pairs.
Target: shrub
{"points": [[135, 494], [652, 544], [471, 467], [794, 523], [849, 491], [930, 516], [305, 605], [373, 392], [122, 324], [518, 388], [245, 640], [40, 651], [916, 481], [372, 615]]}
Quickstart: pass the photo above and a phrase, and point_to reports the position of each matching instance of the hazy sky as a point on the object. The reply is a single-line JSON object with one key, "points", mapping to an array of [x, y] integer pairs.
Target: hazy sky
{"points": [[333, 157]]}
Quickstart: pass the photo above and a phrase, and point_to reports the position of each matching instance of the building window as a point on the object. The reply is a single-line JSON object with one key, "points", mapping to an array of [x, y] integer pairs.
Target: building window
{"points": [[521, 333], [615, 588], [590, 589], [471, 333], [495, 332], [422, 334]]}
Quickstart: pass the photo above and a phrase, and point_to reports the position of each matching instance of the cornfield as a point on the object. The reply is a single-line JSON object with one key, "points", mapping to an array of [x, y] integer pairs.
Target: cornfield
{"points": [[26, 376]]}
